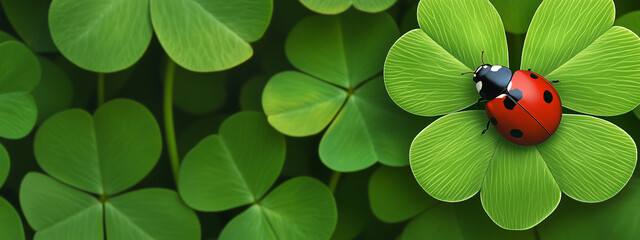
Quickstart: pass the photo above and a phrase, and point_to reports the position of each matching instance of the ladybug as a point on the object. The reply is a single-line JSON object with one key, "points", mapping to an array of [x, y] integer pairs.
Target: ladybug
{"points": [[524, 107]]}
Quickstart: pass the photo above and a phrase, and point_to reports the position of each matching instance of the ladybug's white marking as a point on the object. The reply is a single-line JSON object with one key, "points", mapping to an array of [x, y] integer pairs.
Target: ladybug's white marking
{"points": [[474, 75], [484, 66], [509, 86], [495, 68], [478, 69], [501, 95], [479, 86]]}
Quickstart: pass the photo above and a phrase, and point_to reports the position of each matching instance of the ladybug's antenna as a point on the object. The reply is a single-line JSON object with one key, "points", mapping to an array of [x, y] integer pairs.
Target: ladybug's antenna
{"points": [[482, 57], [465, 73]]}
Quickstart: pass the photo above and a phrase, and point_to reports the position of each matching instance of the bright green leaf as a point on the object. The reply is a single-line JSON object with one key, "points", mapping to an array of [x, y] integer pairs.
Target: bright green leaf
{"points": [[199, 93], [424, 79], [449, 157], [516, 15], [206, 36], [299, 105], [301, 208], [591, 159], [587, 56], [29, 19], [357, 138], [465, 28], [338, 6], [560, 30], [19, 75], [152, 214], [395, 195], [101, 35], [344, 50], [5, 165], [518, 191], [57, 211], [103, 154], [54, 93], [614, 219], [234, 168], [10, 222]]}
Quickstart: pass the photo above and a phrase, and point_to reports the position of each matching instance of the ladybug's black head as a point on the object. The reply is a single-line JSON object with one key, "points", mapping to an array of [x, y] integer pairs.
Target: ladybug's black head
{"points": [[491, 80]]}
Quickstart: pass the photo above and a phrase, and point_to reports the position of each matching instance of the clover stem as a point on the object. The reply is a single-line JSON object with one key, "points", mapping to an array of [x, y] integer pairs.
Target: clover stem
{"points": [[333, 183], [170, 134], [100, 98]]}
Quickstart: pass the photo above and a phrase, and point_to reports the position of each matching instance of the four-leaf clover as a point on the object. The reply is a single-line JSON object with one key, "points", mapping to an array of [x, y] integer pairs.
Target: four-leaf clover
{"points": [[589, 159]]}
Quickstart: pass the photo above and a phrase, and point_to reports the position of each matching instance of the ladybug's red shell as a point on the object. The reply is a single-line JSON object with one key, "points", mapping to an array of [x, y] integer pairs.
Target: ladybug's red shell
{"points": [[530, 113]]}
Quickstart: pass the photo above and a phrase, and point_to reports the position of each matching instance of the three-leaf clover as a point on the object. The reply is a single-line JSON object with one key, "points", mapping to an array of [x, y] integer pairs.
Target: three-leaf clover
{"points": [[201, 36], [339, 6], [237, 167], [589, 159], [340, 58], [103, 154]]}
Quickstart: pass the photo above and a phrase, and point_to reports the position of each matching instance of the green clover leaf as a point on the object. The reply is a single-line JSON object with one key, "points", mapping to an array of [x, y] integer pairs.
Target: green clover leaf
{"points": [[84, 32], [199, 36], [237, 167], [103, 154], [5, 165], [340, 57], [20, 75], [589, 159], [354, 216], [339, 6], [10, 222]]}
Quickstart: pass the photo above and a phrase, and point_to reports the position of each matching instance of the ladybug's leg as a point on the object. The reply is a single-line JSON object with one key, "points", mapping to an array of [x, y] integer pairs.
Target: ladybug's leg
{"points": [[485, 130], [555, 81], [478, 103]]}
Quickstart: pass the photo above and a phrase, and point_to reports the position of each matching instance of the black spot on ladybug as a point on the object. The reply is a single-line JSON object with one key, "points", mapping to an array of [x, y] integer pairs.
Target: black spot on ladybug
{"points": [[533, 75], [516, 93], [509, 103], [547, 96], [516, 133], [493, 121]]}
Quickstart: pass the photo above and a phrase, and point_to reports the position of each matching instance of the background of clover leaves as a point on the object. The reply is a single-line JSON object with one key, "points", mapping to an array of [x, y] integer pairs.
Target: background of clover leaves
{"points": [[263, 119]]}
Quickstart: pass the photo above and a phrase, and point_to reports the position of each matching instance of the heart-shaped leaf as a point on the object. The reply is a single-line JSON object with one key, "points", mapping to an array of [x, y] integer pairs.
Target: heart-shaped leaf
{"points": [[517, 177], [54, 93], [300, 105], [338, 6], [516, 15], [613, 219], [5, 165], [101, 35], [104, 153], [199, 93], [29, 19], [301, 208], [591, 159], [57, 211], [344, 50], [356, 139], [590, 58], [449, 157], [395, 196], [234, 168], [422, 70], [150, 214], [10, 223], [20, 75], [206, 36]]}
